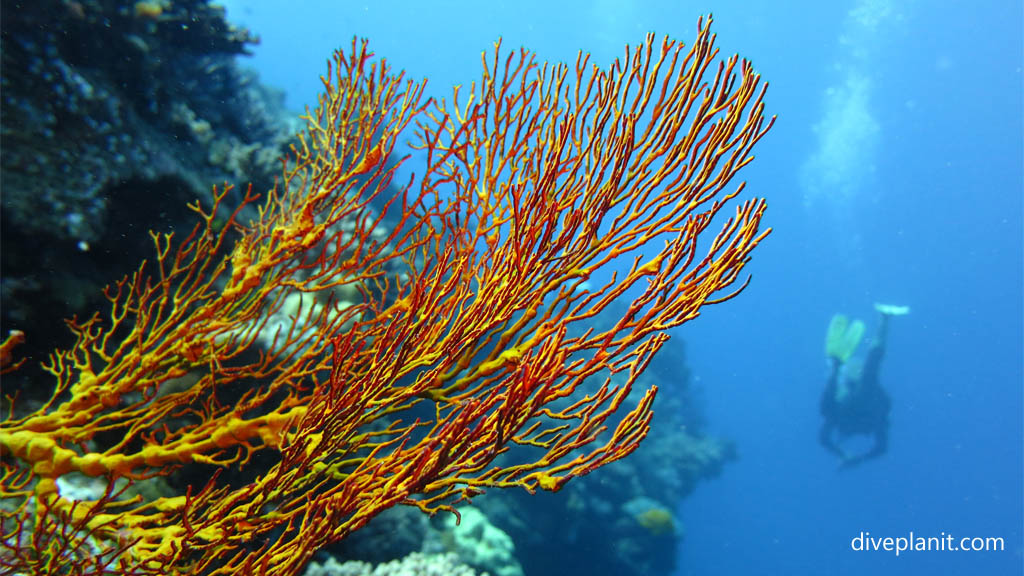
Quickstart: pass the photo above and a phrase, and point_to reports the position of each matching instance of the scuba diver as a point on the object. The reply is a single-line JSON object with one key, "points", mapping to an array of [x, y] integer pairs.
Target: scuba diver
{"points": [[854, 402]]}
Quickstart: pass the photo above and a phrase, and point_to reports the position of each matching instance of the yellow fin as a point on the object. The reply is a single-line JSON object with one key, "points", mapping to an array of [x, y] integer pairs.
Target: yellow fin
{"points": [[843, 337]]}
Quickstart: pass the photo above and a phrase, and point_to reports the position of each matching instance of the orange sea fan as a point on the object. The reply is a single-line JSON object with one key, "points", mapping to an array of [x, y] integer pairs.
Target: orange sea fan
{"points": [[467, 330]]}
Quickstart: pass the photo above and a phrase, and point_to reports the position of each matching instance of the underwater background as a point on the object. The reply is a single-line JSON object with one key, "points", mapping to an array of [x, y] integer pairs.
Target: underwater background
{"points": [[893, 175]]}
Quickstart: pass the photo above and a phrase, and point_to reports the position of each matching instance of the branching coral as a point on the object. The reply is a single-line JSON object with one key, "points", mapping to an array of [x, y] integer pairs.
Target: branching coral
{"points": [[470, 338]]}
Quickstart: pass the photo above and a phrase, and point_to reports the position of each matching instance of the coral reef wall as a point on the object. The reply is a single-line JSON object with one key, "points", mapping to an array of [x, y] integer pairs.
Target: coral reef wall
{"points": [[114, 114]]}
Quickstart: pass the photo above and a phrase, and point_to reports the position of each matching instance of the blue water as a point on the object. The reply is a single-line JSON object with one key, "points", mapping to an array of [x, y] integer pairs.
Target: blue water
{"points": [[894, 174]]}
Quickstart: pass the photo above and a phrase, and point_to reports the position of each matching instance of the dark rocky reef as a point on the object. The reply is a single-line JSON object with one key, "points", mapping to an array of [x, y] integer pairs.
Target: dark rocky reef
{"points": [[115, 114]]}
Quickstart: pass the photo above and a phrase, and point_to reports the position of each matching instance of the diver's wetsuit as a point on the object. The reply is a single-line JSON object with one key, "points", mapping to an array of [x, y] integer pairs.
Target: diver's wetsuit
{"points": [[863, 410]]}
